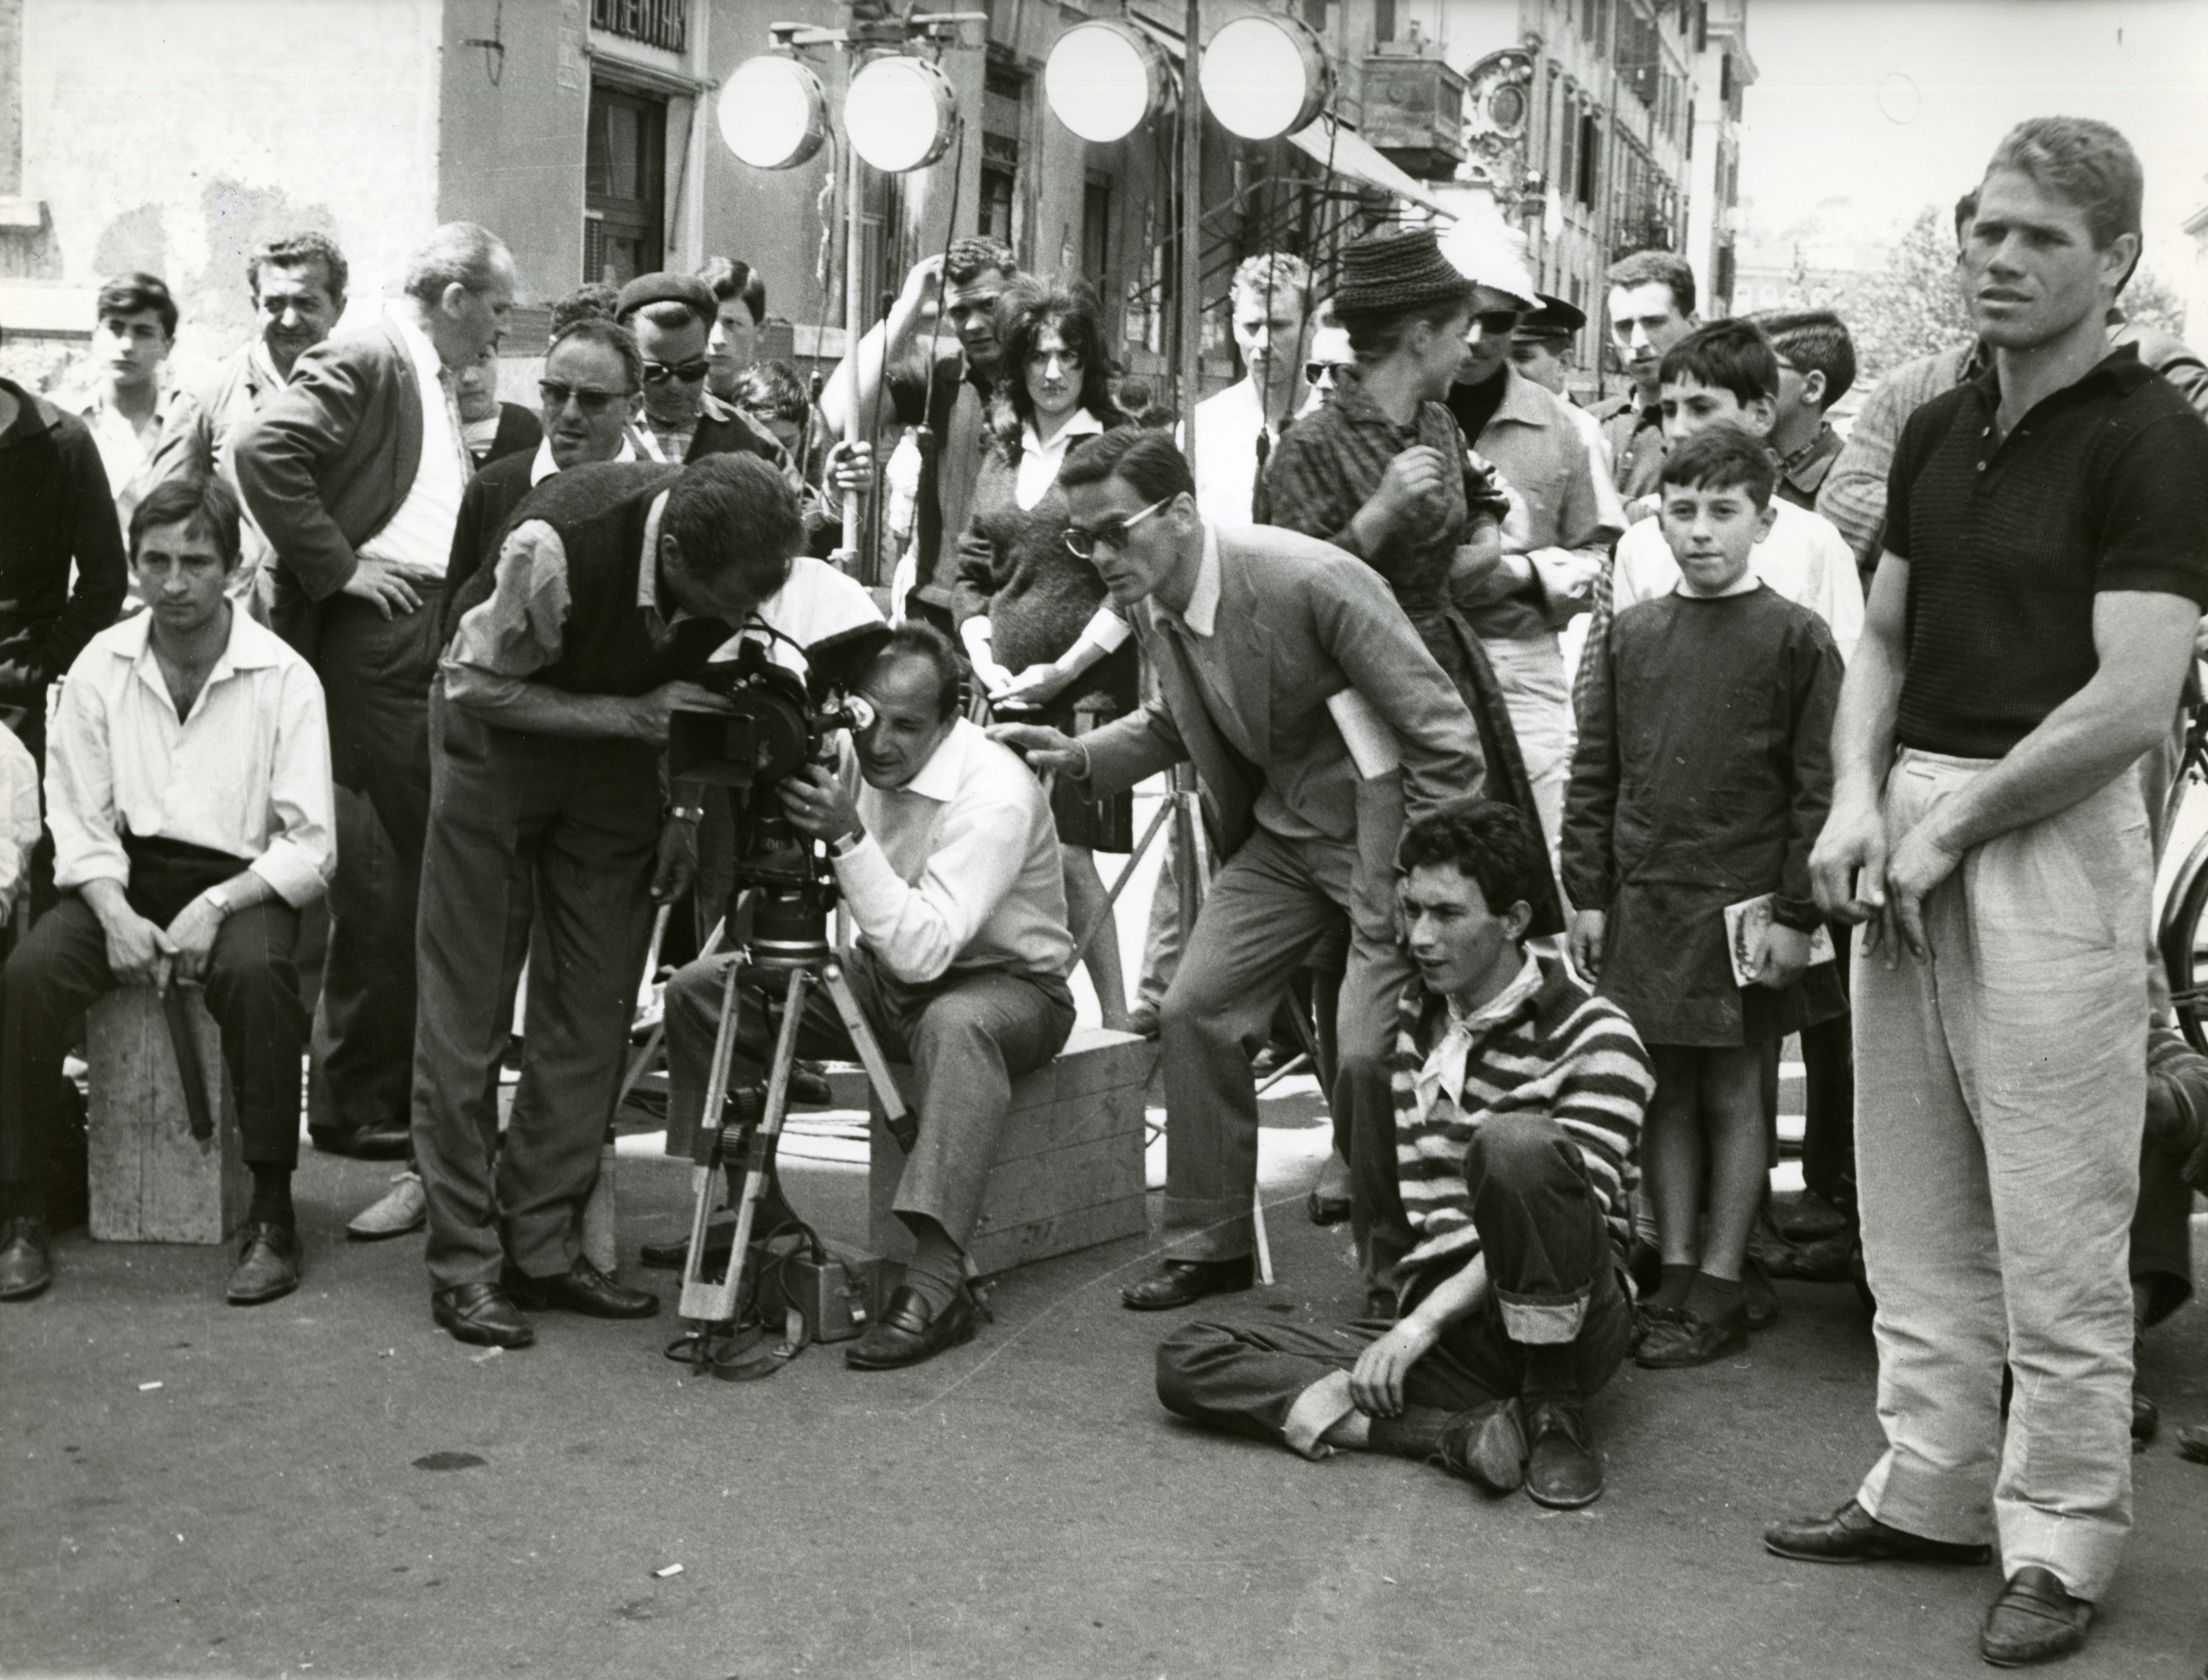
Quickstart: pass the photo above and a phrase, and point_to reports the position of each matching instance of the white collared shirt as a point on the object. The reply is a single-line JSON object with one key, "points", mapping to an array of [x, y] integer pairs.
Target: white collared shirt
{"points": [[1039, 461], [1227, 428], [419, 536], [544, 466], [1804, 559], [958, 868], [126, 454], [247, 773]]}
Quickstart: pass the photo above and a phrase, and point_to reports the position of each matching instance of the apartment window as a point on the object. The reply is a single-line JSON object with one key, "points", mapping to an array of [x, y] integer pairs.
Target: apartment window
{"points": [[1096, 231], [1590, 169], [624, 185], [1566, 176], [1003, 118]]}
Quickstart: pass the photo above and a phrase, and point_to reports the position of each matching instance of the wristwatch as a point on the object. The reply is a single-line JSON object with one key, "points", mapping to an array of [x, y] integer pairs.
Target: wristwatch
{"points": [[219, 897], [844, 844], [689, 814]]}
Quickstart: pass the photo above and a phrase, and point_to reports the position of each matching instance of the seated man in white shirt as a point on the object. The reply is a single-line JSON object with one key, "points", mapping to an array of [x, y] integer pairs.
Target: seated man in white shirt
{"points": [[947, 859], [188, 785], [1727, 373]]}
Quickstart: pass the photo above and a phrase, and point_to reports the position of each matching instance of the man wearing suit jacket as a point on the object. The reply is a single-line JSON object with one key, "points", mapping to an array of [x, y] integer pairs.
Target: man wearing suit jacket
{"points": [[1260, 639], [353, 471]]}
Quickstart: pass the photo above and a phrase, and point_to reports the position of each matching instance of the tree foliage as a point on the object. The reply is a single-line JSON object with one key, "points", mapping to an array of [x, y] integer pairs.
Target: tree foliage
{"points": [[2149, 300], [1910, 308]]}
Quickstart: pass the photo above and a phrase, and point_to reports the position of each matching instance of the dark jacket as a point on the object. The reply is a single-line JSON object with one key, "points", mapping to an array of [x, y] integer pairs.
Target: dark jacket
{"points": [[55, 508], [519, 432], [490, 496], [327, 463]]}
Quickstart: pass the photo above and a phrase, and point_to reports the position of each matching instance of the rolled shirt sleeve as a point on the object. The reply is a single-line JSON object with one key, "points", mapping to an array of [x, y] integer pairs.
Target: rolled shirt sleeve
{"points": [[522, 628]]}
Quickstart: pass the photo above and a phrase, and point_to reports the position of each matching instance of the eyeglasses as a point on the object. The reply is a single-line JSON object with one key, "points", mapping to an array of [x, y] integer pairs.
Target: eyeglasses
{"points": [[685, 372], [1323, 373], [1082, 542], [592, 403], [1498, 324]]}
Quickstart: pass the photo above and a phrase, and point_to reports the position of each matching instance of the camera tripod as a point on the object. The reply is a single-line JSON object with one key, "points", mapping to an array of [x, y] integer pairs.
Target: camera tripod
{"points": [[712, 1306]]}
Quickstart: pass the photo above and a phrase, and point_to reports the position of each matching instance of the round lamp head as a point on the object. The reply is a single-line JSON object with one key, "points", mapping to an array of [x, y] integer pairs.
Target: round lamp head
{"points": [[773, 112], [900, 113], [1265, 76], [1104, 79]]}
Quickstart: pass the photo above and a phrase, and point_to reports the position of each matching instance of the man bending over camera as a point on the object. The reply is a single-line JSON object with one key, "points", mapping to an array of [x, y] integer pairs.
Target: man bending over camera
{"points": [[616, 583], [944, 852]]}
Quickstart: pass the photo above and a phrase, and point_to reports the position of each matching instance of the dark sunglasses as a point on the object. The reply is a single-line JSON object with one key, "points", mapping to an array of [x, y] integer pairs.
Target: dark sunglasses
{"points": [[1323, 373], [592, 403], [685, 372], [1499, 324], [1082, 542]]}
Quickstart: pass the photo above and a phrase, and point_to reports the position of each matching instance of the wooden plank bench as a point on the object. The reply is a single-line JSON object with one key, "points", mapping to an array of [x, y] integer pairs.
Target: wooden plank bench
{"points": [[152, 1180], [1069, 1172]]}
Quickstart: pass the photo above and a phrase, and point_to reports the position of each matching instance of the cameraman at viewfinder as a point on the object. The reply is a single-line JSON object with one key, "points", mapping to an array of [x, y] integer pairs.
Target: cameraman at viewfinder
{"points": [[615, 585], [945, 853]]}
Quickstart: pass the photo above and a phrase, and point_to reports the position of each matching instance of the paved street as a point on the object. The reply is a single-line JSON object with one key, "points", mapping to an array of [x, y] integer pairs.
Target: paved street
{"points": [[1019, 1508]]}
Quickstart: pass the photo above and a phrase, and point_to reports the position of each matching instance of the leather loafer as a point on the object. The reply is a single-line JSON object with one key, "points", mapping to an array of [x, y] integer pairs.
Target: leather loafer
{"points": [[1326, 1209], [367, 1143], [581, 1288], [2193, 1443], [907, 1333], [27, 1259], [2035, 1618], [1688, 1339], [1177, 1282], [267, 1265], [481, 1313], [402, 1208], [1853, 1535], [1563, 1470], [1486, 1446]]}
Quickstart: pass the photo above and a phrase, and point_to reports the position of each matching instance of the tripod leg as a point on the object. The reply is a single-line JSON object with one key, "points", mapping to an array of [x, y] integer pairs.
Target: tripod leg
{"points": [[705, 1147], [715, 1304], [871, 1058]]}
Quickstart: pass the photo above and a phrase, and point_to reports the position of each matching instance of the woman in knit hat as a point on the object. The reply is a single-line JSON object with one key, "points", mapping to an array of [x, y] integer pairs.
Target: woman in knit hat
{"points": [[1035, 621], [1384, 472]]}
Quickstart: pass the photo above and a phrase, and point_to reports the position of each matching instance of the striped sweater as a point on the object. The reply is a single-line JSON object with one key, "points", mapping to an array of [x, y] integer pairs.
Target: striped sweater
{"points": [[1559, 1051]]}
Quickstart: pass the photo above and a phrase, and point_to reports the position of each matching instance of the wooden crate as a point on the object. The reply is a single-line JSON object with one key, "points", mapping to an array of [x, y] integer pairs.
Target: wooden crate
{"points": [[152, 1180], [1069, 1172]]}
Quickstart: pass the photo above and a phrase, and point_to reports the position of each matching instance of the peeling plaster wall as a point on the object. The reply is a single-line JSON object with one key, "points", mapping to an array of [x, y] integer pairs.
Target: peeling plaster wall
{"points": [[174, 134]]}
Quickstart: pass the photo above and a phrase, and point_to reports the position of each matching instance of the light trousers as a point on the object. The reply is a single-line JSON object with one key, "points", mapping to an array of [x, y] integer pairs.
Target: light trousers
{"points": [[2001, 1086]]}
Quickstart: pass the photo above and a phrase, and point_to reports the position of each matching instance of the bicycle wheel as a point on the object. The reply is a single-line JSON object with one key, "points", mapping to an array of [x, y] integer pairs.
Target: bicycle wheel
{"points": [[2184, 955]]}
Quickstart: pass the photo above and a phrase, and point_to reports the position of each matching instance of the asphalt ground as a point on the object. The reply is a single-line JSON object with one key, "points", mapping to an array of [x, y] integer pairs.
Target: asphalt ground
{"points": [[1020, 1507]]}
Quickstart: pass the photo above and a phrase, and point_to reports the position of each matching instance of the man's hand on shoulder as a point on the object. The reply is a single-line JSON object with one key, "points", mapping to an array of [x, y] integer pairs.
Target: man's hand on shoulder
{"points": [[1044, 748]]}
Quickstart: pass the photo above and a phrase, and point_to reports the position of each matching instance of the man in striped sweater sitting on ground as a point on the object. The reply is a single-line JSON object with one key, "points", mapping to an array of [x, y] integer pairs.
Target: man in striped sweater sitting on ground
{"points": [[1518, 1102]]}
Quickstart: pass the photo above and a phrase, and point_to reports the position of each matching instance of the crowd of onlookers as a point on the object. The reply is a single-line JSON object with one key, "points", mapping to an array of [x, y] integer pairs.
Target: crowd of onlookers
{"points": [[1558, 767]]}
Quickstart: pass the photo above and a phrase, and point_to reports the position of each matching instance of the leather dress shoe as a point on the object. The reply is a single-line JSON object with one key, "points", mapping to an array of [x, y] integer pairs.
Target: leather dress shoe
{"points": [[581, 1288], [402, 1208], [2193, 1443], [1486, 1446], [481, 1313], [2146, 1418], [2034, 1619], [27, 1259], [1326, 1209], [907, 1333], [1688, 1339], [1562, 1469], [1853, 1535], [367, 1143], [267, 1264], [1177, 1282]]}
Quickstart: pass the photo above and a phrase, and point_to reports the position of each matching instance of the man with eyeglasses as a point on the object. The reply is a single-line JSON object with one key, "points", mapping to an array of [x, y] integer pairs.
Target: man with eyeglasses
{"points": [[354, 471], [1316, 717]]}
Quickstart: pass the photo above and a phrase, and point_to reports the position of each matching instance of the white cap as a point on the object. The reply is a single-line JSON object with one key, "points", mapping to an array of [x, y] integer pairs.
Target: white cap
{"points": [[1488, 252]]}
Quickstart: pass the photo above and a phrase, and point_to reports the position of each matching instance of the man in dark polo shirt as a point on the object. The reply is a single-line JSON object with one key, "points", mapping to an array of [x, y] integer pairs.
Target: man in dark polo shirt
{"points": [[616, 583], [2046, 559]]}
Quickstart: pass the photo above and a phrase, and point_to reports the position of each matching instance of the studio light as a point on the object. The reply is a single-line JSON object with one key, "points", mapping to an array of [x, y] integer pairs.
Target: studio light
{"points": [[900, 113], [773, 112], [1265, 75], [1105, 79]]}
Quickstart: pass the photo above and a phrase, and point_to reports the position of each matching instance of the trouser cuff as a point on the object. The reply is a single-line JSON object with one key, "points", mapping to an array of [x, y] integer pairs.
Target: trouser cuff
{"points": [[1542, 1321], [1317, 1409]]}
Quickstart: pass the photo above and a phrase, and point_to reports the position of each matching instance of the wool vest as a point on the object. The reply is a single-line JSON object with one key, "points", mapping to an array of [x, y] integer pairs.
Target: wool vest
{"points": [[600, 511]]}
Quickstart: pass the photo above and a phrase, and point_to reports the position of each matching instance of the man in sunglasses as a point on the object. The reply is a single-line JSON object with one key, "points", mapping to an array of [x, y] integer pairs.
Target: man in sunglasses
{"points": [[353, 471], [1315, 716]]}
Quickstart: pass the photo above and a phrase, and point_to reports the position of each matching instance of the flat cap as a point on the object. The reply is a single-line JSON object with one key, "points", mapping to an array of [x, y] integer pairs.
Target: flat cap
{"points": [[1554, 319], [667, 287]]}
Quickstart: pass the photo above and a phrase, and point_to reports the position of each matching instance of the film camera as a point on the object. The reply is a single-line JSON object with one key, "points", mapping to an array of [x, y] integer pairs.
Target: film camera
{"points": [[779, 723]]}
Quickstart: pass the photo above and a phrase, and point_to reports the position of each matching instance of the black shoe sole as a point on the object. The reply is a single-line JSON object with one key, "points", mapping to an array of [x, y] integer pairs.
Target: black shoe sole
{"points": [[1134, 1306], [1973, 1560], [1552, 1502], [355, 1146], [29, 1291], [461, 1330], [262, 1300], [959, 1338]]}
